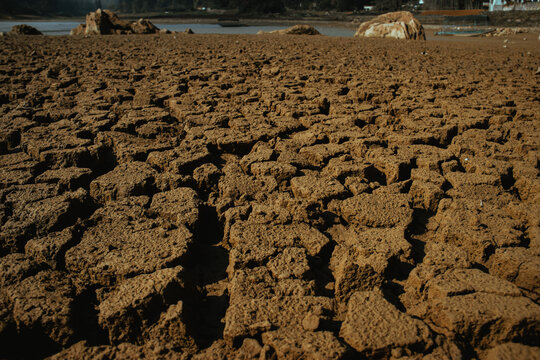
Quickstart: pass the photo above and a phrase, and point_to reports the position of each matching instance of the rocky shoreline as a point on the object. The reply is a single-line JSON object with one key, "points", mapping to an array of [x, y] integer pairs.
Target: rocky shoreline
{"points": [[529, 19], [218, 196]]}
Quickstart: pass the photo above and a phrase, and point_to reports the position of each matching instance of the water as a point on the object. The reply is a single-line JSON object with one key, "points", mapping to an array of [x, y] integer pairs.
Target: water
{"points": [[64, 27], [461, 32], [217, 29], [46, 27]]}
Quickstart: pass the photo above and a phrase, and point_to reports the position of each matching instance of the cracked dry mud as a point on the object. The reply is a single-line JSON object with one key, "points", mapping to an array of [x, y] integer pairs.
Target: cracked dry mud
{"points": [[238, 197]]}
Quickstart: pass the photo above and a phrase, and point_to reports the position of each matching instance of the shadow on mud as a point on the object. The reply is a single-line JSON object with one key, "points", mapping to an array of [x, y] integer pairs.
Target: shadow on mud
{"points": [[206, 269]]}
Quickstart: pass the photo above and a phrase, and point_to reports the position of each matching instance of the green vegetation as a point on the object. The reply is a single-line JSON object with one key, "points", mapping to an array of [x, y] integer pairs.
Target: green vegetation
{"points": [[47, 7]]}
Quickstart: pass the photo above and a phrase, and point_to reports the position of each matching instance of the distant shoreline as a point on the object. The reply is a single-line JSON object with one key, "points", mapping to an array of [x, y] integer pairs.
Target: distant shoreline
{"points": [[43, 18], [253, 21], [202, 17], [201, 20], [526, 19]]}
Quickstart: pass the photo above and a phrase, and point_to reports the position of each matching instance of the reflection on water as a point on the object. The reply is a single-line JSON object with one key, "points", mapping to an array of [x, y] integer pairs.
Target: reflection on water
{"points": [[63, 28], [217, 29]]}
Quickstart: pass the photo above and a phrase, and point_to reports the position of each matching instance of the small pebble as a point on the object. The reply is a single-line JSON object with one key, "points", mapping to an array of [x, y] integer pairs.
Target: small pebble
{"points": [[330, 286], [397, 353], [311, 322]]}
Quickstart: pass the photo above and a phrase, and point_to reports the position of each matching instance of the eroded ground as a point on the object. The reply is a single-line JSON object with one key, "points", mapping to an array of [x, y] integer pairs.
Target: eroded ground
{"points": [[274, 197]]}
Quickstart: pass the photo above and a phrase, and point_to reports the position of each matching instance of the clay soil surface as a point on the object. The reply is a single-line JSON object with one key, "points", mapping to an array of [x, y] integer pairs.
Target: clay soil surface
{"points": [[237, 197]]}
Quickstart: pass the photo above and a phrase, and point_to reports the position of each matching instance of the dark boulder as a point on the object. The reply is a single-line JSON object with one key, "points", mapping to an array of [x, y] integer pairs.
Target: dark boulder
{"points": [[24, 29]]}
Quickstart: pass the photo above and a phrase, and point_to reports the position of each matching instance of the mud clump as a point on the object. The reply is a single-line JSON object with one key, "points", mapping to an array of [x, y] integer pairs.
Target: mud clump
{"points": [[243, 197]]}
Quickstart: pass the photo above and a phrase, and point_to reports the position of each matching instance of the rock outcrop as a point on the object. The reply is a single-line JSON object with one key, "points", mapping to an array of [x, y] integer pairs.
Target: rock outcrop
{"points": [[143, 26], [507, 31], [295, 30], [105, 22], [24, 29], [398, 25]]}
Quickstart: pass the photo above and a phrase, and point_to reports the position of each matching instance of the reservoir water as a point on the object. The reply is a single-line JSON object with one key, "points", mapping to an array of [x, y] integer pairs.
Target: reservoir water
{"points": [[64, 27]]}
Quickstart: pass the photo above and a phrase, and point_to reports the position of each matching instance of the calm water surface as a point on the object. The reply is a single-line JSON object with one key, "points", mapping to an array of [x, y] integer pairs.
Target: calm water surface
{"points": [[63, 28], [46, 27]]}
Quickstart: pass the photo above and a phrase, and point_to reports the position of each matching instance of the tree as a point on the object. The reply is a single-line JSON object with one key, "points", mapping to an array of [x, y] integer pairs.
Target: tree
{"points": [[388, 5], [349, 5], [452, 4], [257, 6]]}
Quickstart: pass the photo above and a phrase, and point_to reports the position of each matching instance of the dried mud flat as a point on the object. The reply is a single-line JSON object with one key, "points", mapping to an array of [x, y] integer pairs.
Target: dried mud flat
{"points": [[237, 197]]}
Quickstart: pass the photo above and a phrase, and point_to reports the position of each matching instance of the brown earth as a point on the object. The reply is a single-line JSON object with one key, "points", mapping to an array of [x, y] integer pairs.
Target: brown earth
{"points": [[241, 197]]}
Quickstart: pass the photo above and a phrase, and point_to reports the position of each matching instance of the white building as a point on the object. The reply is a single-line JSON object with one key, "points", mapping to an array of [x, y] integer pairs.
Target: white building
{"points": [[503, 5]]}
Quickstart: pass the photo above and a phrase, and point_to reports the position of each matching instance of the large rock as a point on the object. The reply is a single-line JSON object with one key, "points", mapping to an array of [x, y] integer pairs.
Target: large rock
{"points": [[398, 25], [143, 26], [295, 30], [24, 29], [105, 22], [79, 30]]}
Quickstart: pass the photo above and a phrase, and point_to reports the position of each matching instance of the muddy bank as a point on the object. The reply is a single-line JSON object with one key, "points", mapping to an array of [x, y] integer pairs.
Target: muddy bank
{"points": [[190, 196]]}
